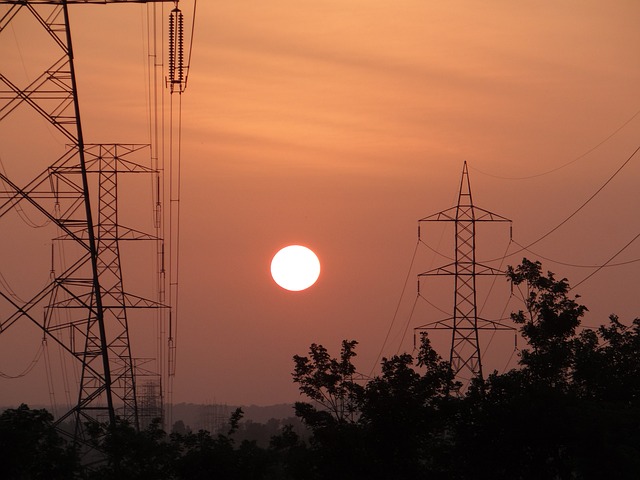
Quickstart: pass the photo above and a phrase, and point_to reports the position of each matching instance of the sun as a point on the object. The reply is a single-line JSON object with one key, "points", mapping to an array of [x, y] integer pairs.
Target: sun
{"points": [[295, 268]]}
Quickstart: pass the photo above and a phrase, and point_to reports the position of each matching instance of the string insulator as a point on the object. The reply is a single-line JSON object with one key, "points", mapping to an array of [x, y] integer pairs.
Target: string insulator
{"points": [[172, 57], [176, 49], [180, 26]]}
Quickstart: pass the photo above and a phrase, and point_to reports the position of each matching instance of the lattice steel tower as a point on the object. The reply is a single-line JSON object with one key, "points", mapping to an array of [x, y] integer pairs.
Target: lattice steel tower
{"points": [[465, 355], [85, 304]]}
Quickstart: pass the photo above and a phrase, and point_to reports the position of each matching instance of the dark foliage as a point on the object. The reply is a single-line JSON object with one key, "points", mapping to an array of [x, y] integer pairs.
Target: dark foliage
{"points": [[130, 454], [31, 448], [571, 410]]}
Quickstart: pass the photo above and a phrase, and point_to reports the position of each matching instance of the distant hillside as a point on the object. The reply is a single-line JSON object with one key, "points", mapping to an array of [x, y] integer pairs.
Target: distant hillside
{"points": [[212, 416]]}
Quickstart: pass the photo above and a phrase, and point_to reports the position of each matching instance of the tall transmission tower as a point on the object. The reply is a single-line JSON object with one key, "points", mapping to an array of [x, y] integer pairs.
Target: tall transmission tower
{"points": [[465, 354], [84, 307]]}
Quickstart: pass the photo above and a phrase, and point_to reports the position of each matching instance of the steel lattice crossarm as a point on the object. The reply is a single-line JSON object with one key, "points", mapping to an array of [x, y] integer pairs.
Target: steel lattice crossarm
{"points": [[483, 324], [453, 213], [450, 269]]}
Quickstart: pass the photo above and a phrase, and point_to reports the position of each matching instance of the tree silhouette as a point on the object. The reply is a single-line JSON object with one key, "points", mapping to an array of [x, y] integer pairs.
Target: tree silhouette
{"points": [[562, 413], [549, 324], [389, 428], [31, 448], [329, 382], [569, 410]]}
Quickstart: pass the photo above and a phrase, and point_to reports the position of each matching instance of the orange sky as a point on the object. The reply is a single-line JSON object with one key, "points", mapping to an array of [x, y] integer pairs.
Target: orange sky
{"points": [[338, 125]]}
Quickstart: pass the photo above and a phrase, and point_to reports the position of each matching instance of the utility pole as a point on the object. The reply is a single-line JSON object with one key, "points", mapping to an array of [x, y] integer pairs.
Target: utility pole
{"points": [[465, 355]]}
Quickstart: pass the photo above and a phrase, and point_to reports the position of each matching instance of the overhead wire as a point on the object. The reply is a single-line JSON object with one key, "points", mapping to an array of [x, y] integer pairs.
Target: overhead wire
{"points": [[18, 207], [515, 333], [193, 28], [495, 277], [433, 304], [49, 375], [576, 265], [149, 61], [156, 55], [165, 131], [587, 201], [575, 212], [175, 237], [27, 369], [165, 119], [435, 250], [406, 327], [174, 207], [395, 314], [579, 157], [7, 286], [486, 298], [599, 267], [607, 262], [62, 259], [513, 352], [394, 318]]}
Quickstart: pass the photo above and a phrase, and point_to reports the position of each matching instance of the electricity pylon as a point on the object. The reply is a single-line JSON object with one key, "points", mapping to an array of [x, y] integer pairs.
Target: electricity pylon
{"points": [[465, 355], [89, 290], [71, 295]]}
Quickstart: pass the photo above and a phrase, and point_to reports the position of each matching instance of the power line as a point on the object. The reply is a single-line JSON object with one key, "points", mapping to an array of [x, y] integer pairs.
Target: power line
{"points": [[579, 157], [193, 27], [584, 204], [29, 367], [576, 265], [395, 314], [433, 304], [435, 251], [607, 262], [574, 213], [406, 327]]}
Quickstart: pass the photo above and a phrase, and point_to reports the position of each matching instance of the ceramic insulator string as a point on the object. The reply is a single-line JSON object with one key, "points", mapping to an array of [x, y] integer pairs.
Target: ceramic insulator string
{"points": [[176, 51]]}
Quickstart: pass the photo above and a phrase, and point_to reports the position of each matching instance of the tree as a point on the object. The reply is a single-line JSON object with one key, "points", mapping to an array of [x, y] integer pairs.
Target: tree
{"points": [[180, 428], [607, 363], [291, 455], [548, 325], [204, 456], [561, 413], [31, 448], [329, 382], [132, 454], [570, 410], [404, 413], [336, 436], [392, 426]]}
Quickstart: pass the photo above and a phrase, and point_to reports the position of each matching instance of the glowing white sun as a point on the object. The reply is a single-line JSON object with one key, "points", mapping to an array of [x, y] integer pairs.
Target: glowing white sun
{"points": [[295, 268]]}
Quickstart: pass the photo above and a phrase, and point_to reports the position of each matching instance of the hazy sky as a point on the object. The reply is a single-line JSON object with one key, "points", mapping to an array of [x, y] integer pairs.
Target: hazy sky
{"points": [[337, 125]]}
